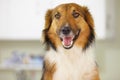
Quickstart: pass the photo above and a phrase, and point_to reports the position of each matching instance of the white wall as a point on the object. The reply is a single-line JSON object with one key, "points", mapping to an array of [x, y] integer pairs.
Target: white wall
{"points": [[24, 19]]}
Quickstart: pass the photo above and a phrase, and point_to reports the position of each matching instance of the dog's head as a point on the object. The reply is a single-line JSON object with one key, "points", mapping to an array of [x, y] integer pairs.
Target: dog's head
{"points": [[68, 25]]}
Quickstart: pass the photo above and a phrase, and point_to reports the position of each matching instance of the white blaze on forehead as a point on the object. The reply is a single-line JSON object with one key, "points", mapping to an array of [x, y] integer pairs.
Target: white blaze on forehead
{"points": [[66, 24]]}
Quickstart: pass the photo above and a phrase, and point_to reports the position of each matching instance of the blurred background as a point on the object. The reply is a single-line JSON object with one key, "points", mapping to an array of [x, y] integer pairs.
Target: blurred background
{"points": [[21, 23]]}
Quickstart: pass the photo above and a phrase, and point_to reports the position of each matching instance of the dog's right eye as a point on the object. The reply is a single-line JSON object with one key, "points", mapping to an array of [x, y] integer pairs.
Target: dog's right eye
{"points": [[57, 15]]}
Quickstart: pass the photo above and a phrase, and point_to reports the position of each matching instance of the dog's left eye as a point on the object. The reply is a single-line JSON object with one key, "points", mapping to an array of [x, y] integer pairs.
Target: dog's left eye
{"points": [[57, 15], [75, 14]]}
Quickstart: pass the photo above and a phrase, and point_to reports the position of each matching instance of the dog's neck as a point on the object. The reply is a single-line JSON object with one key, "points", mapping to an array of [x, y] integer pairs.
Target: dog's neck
{"points": [[71, 54], [71, 61], [74, 50]]}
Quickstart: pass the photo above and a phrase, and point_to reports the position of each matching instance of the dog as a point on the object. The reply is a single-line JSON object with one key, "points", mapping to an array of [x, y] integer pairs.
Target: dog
{"points": [[69, 36]]}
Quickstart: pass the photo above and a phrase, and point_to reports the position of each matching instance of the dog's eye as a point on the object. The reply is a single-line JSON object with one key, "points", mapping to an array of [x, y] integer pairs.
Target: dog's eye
{"points": [[57, 15], [75, 14]]}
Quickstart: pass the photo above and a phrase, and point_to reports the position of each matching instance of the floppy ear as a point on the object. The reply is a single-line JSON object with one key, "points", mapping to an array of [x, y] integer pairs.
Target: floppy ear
{"points": [[88, 17], [48, 21]]}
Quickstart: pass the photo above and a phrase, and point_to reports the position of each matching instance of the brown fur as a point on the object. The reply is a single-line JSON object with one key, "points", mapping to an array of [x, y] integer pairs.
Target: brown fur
{"points": [[49, 70], [52, 25]]}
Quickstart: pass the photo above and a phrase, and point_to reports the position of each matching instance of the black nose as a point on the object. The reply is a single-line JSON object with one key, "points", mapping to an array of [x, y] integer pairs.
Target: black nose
{"points": [[66, 30]]}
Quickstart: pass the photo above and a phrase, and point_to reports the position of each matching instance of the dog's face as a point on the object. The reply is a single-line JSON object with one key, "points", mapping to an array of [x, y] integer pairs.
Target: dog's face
{"points": [[68, 25]]}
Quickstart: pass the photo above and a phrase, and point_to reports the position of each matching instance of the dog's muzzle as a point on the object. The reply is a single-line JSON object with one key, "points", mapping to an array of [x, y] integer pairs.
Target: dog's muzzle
{"points": [[68, 37]]}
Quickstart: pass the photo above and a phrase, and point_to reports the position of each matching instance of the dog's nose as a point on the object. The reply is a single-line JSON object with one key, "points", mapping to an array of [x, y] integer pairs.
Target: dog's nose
{"points": [[66, 30]]}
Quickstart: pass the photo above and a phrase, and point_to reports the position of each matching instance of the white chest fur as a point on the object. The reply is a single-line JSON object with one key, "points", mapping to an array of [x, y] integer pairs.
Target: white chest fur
{"points": [[71, 64]]}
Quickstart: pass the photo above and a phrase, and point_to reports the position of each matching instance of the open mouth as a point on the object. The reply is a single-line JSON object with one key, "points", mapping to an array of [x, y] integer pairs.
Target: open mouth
{"points": [[68, 40]]}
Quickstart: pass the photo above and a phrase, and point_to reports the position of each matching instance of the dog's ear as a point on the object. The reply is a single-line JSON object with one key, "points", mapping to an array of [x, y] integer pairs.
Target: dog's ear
{"points": [[48, 21], [88, 17]]}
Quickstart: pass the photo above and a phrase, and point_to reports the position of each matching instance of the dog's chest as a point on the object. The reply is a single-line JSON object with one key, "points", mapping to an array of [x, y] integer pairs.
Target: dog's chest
{"points": [[71, 65]]}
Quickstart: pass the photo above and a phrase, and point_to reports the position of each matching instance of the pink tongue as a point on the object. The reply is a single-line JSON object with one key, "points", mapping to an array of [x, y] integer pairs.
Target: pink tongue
{"points": [[67, 41]]}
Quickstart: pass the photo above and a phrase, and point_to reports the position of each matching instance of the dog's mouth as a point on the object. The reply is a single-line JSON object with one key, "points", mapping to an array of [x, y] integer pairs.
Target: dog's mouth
{"points": [[68, 40]]}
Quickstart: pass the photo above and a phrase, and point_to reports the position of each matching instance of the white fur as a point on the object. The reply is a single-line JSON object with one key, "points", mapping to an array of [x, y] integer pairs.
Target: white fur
{"points": [[71, 64]]}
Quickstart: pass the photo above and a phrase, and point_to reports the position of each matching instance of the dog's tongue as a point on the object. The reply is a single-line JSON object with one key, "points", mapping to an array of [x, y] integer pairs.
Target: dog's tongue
{"points": [[67, 41]]}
